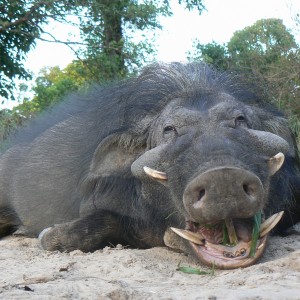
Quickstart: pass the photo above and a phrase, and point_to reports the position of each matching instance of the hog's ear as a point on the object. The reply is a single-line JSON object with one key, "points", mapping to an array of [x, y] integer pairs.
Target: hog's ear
{"points": [[114, 155]]}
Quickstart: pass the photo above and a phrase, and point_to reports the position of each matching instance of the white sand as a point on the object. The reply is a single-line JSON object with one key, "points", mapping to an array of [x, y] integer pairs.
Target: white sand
{"points": [[27, 272]]}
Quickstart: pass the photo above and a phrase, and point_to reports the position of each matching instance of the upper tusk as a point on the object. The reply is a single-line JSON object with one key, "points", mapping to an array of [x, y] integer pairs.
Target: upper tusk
{"points": [[155, 174], [276, 162], [231, 232]]}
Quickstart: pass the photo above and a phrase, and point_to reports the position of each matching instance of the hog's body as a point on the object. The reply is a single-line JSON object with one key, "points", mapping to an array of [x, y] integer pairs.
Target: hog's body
{"points": [[215, 144]]}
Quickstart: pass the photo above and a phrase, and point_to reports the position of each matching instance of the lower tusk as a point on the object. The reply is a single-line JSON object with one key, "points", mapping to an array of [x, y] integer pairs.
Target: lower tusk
{"points": [[270, 223], [189, 235], [155, 174]]}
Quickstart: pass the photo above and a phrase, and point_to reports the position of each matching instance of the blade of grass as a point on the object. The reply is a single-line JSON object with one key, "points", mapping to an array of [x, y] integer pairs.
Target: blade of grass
{"points": [[255, 232], [190, 270]]}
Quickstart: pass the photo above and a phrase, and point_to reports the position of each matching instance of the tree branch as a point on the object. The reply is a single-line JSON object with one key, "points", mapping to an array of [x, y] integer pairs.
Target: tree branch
{"points": [[26, 17]]}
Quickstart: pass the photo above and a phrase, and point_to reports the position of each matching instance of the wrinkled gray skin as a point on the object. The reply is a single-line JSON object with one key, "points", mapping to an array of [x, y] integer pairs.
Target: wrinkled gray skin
{"points": [[80, 167]]}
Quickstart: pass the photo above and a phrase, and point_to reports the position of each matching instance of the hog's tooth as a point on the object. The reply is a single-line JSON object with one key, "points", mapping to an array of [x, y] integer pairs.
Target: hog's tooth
{"points": [[276, 162], [270, 223], [231, 232], [189, 235], [261, 245], [155, 174]]}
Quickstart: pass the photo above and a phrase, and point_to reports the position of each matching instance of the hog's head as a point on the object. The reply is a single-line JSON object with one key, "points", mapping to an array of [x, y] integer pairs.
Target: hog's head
{"points": [[211, 157]]}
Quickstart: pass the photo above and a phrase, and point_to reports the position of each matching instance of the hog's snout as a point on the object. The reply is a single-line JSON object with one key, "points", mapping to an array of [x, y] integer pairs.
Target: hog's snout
{"points": [[225, 192]]}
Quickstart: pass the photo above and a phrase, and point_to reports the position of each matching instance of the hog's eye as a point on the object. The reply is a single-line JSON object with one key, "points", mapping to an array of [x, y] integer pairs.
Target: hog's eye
{"points": [[240, 121], [169, 129]]}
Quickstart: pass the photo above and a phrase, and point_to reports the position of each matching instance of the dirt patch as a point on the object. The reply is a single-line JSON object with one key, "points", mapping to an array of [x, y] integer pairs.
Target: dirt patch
{"points": [[28, 272]]}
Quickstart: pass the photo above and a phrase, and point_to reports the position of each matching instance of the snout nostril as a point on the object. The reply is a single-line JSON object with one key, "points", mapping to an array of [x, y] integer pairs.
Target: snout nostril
{"points": [[201, 194], [249, 190]]}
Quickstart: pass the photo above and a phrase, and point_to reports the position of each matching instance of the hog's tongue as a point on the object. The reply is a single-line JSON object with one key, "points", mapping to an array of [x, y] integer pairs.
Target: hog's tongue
{"points": [[231, 243], [243, 230]]}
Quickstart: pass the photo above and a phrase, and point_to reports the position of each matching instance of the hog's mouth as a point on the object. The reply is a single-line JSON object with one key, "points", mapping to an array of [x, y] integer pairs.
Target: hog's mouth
{"points": [[231, 243]]}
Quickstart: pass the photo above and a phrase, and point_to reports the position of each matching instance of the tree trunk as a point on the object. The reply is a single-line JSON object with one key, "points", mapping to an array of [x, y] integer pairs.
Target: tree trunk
{"points": [[113, 43]]}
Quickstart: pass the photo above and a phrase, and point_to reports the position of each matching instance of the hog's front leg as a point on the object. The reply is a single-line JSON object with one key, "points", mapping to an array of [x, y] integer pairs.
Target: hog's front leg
{"points": [[98, 230]]}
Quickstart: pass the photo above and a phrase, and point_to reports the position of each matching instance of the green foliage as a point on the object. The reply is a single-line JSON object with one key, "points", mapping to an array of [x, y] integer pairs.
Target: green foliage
{"points": [[193, 4], [19, 44], [211, 53], [252, 49], [20, 25], [9, 122], [108, 27], [261, 44], [51, 86]]}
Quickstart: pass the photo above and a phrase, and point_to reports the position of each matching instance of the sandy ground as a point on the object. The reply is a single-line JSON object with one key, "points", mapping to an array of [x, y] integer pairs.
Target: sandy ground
{"points": [[27, 272]]}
